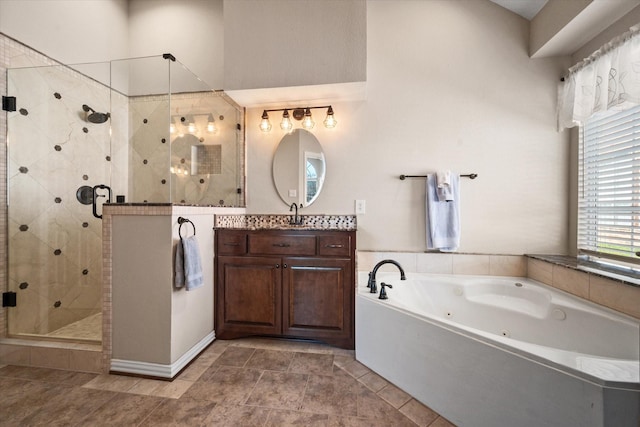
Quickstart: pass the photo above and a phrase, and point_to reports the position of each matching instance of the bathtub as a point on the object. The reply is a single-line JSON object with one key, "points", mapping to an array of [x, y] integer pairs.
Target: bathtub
{"points": [[501, 351]]}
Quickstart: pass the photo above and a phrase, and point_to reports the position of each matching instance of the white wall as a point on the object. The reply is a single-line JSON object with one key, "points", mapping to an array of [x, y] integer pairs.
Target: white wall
{"points": [[449, 86], [69, 31]]}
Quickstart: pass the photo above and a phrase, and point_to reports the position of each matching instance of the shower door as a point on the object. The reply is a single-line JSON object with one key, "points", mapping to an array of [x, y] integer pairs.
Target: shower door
{"points": [[58, 150]]}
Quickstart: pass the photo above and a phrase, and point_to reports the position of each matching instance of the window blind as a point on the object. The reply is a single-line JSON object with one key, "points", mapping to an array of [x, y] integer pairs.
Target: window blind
{"points": [[609, 186]]}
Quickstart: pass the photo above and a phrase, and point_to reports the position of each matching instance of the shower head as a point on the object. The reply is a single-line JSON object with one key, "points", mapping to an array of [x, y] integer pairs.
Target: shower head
{"points": [[98, 117], [95, 117]]}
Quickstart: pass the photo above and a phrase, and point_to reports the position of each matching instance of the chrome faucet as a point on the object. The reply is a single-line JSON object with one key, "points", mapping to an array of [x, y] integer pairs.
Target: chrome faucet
{"points": [[296, 220], [373, 288]]}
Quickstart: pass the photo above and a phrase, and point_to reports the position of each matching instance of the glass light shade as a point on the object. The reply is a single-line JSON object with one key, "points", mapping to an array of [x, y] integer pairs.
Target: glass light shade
{"points": [[191, 127], [211, 124], [265, 126], [286, 124], [330, 121], [172, 128], [308, 122]]}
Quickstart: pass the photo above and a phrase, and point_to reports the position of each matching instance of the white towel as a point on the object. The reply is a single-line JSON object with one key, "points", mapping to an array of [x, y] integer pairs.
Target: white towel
{"points": [[443, 218], [188, 268], [445, 193]]}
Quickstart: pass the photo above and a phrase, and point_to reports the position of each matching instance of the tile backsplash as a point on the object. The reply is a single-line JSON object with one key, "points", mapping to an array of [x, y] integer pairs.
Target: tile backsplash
{"points": [[447, 263]]}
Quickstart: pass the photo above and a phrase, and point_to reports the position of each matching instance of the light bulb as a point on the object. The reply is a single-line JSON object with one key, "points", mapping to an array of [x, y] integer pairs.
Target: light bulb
{"points": [[308, 122], [192, 127], [286, 124], [330, 121], [172, 128], [265, 126]]}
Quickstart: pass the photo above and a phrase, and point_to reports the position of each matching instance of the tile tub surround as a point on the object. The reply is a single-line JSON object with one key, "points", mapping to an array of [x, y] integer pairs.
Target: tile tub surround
{"points": [[240, 382], [446, 263], [566, 274], [266, 221]]}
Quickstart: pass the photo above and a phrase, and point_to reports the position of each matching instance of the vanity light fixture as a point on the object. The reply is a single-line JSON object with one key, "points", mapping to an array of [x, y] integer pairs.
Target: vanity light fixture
{"points": [[302, 114]]}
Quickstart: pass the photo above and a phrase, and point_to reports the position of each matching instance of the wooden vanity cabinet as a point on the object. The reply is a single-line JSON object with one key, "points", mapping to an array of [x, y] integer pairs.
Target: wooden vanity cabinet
{"points": [[289, 283]]}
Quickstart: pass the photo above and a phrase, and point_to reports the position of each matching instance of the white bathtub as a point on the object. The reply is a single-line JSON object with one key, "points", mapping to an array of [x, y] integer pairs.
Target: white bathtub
{"points": [[501, 351]]}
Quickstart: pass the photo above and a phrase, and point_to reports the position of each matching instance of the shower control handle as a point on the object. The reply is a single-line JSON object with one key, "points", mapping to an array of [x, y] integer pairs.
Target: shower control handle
{"points": [[96, 195]]}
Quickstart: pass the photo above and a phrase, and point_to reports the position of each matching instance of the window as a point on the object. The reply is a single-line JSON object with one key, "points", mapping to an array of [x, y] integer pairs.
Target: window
{"points": [[312, 181], [609, 186]]}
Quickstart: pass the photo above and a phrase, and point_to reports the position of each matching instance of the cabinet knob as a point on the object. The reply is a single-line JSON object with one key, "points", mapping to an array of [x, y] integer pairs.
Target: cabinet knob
{"points": [[284, 265], [277, 265]]}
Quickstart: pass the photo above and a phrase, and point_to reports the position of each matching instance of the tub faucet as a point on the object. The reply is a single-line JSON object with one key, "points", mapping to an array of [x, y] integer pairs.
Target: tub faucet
{"points": [[296, 220], [373, 288]]}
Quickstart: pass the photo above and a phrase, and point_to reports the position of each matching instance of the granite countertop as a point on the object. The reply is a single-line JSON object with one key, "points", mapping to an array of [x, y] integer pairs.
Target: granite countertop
{"points": [[623, 275], [283, 222]]}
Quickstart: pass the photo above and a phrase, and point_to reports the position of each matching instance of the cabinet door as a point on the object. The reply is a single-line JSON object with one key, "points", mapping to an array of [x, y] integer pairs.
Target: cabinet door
{"points": [[248, 296], [318, 299]]}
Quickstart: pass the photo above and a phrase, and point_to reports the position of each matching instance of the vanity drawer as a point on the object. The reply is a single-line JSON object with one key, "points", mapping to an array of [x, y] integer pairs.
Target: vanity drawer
{"points": [[231, 243], [334, 245], [286, 244]]}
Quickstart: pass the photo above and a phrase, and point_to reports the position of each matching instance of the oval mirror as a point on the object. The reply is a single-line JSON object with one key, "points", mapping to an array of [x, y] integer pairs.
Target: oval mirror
{"points": [[299, 168]]}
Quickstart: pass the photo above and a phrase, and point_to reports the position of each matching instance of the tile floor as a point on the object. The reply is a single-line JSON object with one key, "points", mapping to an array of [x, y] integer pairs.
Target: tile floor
{"points": [[87, 329], [247, 382]]}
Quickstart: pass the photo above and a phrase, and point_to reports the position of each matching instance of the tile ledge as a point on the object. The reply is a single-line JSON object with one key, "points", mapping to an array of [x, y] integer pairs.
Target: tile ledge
{"points": [[50, 344], [623, 276]]}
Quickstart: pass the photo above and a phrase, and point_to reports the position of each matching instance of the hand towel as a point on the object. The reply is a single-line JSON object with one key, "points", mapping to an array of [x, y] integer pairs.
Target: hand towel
{"points": [[444, 191], [188, 264], [443, 217], [178, 281]]}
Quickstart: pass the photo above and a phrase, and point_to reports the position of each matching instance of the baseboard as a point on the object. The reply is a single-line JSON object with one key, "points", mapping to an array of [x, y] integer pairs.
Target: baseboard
{"points": [[159, 370]]}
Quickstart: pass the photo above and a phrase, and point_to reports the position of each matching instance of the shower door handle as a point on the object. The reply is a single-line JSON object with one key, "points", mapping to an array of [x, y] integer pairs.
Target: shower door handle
{"points": [[96, 195]]}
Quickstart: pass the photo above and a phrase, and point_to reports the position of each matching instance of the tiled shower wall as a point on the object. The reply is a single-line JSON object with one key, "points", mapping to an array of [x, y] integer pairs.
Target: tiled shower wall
{"points": [[213, 180], [12, 54], [55, 241]]}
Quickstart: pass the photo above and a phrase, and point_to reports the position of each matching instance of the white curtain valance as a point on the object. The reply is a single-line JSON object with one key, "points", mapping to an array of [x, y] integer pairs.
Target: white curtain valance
{"points": [[608, 79]]}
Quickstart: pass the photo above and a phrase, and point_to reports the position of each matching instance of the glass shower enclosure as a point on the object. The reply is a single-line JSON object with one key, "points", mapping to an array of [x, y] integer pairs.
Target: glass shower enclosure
{"points": [[140, 130]]}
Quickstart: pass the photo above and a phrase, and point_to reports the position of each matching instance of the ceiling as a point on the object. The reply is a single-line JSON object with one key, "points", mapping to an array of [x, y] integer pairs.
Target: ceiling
{"points": [[525, 8]]}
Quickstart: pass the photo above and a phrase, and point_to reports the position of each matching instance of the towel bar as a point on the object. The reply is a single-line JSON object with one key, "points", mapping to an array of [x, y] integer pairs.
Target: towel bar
{"points": [[469, 175], [181, 221]]}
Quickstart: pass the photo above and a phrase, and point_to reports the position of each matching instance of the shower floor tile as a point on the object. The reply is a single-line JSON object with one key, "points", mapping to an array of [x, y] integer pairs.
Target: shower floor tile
{"points": [[89, 329]]}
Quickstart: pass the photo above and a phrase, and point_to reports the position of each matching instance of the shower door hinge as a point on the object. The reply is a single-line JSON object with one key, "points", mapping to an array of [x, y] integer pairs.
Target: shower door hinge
{"points": [[8, 103], [9, 299]]}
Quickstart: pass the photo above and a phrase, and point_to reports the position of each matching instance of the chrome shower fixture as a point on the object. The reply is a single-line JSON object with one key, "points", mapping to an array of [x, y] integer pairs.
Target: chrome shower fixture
{"points": [[95, 117]]}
